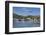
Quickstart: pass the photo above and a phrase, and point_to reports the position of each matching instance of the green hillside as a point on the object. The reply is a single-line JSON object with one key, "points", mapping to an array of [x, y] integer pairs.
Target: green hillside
{"points": [[25, 17]]}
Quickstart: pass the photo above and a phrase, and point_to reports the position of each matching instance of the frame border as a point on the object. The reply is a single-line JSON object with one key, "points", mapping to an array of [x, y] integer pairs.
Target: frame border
{"points": [[7, 17]]}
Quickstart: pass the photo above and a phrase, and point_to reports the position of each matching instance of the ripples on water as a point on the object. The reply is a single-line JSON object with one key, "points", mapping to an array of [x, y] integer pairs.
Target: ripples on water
{"points": [[22, 24]]}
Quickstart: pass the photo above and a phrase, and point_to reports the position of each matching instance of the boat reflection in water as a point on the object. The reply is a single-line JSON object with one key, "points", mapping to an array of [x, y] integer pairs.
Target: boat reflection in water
{"points": [[25, 23]]}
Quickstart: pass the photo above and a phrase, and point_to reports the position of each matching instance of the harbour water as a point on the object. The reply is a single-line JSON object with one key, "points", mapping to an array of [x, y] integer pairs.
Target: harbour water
{"points": [[23, 24]]}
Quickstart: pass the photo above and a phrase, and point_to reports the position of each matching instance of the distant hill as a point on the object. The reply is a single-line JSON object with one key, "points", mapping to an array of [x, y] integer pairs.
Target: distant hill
{"points": [[21, 17]]}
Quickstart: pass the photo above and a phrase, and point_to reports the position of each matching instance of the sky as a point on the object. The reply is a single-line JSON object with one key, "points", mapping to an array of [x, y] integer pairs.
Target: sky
{"points": [[25, 11]]}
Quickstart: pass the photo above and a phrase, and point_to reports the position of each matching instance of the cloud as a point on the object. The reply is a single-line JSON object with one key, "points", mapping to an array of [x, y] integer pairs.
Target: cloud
{"points": [[26, 11]]}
